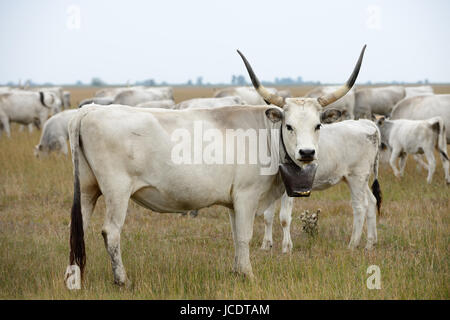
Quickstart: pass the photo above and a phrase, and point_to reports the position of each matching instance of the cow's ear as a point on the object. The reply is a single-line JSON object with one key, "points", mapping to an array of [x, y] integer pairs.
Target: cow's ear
{"points": [[274, 114], [330, 115]]}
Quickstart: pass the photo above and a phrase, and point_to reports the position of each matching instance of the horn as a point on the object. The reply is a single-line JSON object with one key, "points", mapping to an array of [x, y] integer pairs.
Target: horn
{"points": [[339, 93], [268, 97]]}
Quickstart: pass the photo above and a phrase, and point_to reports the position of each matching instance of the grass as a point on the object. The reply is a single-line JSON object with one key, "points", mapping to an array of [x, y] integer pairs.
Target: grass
{"points": [[168, 256]]}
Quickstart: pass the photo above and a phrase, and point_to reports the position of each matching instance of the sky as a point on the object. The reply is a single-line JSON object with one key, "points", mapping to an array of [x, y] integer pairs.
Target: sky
{"points": [[63, 41]]}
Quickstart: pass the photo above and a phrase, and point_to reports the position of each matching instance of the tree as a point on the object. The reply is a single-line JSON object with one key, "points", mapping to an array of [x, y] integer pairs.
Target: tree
{"points": [[97, 82]]}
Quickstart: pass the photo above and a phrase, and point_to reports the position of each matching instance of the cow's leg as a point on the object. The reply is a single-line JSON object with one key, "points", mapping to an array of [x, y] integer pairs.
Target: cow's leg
{"points": [[233, 233], [5, 123], [267, 242], [392, 161], [285, 221], [116, 209], [431, 164], [419, 160], [245, 210], [403, 157], [445, 165], [371, 219], [30, 128], [357, 186]]}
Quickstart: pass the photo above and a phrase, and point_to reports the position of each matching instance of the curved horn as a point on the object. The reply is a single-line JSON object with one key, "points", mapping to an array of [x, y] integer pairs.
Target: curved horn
{"points": [[339, 93], [268, 97]]}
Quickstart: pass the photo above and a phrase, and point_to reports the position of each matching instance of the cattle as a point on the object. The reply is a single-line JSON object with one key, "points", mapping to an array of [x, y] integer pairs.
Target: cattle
{"points": [[55, 134], [165, 104], [424, 107], [112, 92], [97, 100], [381, 100], [346, 104], [247, 94], [27, 107], [58, 91], [349, 152], [124, 152], [403, 137], [209, 102], [133, 97]]}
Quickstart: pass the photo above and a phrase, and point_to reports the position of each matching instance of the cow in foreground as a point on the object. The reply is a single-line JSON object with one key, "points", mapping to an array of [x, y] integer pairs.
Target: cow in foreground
{"points": [[403, 137], [124, 152], [55, 134], [27, 107], [348, 151]]}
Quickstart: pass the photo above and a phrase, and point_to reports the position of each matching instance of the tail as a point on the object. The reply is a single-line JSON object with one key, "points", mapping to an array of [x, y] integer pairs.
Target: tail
{"points": [[77, 249], [376, 190], [442, 139], [41, 97]]}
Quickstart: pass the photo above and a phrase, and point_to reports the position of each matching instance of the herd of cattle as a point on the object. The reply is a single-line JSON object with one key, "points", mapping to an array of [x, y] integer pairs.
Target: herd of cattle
{"points": [[121, 146]]}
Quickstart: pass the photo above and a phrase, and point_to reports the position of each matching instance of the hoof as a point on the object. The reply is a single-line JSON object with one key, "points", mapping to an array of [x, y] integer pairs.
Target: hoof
{"points": [[266, 245]]}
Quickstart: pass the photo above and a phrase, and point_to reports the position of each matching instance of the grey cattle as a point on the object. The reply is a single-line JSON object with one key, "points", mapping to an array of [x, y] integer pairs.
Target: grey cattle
{"points": [[381, 100], [403, 137], [209, 102], [55, 134], [346, 104], [27, 107], [165, 104], [133, 97], [97, 100], [349, 152], [424, 107], [248, 94], [125, 152]]}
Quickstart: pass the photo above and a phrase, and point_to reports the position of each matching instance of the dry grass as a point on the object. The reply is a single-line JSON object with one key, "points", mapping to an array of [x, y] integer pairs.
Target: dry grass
{"points": [[170, 256]]}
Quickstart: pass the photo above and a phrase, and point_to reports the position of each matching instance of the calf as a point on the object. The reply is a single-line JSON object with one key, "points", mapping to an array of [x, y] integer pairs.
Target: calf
{"points": [[55, 134], [403, 137], [348, 151]]}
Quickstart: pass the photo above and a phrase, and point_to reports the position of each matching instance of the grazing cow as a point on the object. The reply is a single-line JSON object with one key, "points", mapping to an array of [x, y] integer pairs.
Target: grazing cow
{"points": [[381, 100], [348, 151], [96, 100], [133, 97], [346, 105], [55, 134], [164, 104], [26, 107], [124, 152], [403, 137], [209, 102], [424, 107], [247, 94]]}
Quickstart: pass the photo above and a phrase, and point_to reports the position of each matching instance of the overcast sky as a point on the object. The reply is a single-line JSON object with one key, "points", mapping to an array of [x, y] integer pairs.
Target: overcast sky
{"points": [[173, 41]]}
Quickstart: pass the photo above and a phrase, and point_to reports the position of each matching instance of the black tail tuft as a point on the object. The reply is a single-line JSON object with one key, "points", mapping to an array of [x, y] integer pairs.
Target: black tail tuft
{"points": [[376, 190], [77, 249], [444, 154]]}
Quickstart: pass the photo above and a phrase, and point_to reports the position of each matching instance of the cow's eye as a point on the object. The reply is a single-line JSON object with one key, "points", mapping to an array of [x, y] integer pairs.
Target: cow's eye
{"points": [[289, 127], [318, 126]]}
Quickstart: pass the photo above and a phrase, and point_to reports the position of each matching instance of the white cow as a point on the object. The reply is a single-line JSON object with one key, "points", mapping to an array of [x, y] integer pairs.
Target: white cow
{"points": [[27, 107], [113, 92], [209, 102], [133, 97], [66, 99], [381, 100], [58, 91], [403, 137], [346, 105], [348, 151], [97, 100], [131, 152], [55, 134], [424, 107], [165, 104]]}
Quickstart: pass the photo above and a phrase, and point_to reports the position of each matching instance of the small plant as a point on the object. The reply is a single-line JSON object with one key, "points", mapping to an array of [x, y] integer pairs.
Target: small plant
{"points": [[310, 222]]}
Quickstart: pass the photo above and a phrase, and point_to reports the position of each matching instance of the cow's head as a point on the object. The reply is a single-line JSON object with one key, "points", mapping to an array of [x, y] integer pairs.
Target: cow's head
{"points": [[302, 117]]}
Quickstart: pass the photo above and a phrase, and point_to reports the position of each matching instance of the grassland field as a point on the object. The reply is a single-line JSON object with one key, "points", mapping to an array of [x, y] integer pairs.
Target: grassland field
{"points": [[170, 256]]}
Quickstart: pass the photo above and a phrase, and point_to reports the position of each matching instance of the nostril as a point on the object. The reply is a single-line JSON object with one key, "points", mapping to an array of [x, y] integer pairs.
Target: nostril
{"points": [[307, 152]]}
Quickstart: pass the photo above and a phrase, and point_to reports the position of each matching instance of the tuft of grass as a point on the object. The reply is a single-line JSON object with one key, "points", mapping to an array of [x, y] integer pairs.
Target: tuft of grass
{"points": [[168, 256]]}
